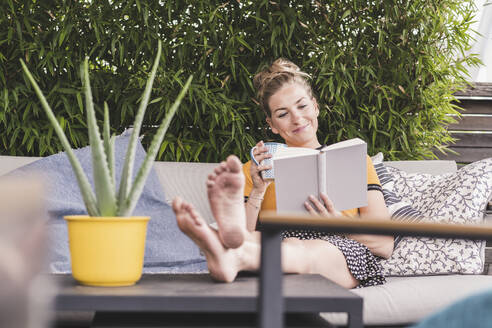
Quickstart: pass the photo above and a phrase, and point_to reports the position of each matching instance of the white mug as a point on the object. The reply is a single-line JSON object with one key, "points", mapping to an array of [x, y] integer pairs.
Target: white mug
{"points": [[272, 149]]}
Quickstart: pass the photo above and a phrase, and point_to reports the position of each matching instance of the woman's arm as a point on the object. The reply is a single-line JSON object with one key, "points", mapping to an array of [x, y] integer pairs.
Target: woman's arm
{"points": [[376, 207], [252, 208], [257, 185]]}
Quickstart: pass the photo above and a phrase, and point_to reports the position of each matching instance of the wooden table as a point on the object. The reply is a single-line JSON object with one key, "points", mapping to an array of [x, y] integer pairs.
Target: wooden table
{"points": [[272, 223], [174, 296]]}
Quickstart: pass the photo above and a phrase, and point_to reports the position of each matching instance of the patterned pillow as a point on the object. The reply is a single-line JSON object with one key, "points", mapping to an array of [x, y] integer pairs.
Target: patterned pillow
{"points": [[399, 209], [459, 197]]}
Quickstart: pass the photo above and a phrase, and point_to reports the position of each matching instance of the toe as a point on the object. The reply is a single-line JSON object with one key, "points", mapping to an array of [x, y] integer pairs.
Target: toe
{"points": [[234, 164], [219, 169], [177, 202], [187, 206], [195, 216]]}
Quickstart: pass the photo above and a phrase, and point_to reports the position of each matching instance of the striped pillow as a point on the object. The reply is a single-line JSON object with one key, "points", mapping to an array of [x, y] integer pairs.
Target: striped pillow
{"points": [[399, 209]]}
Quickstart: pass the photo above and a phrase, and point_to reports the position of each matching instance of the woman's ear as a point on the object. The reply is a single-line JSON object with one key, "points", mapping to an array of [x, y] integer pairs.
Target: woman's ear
{"points": [[270, 123], [316, 107]]}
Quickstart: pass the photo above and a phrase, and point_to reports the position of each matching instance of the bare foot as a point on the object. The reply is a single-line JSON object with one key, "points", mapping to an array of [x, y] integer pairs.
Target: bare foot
{"points": [[225, 193], [223, 263]]}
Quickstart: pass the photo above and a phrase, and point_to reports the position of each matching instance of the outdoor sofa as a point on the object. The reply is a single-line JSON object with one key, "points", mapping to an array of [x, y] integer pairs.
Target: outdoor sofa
{"points": [[402, 300]]}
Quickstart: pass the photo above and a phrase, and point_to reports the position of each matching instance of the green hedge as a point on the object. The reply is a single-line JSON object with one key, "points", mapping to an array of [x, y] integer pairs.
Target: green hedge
{"points": [[384, 71]]}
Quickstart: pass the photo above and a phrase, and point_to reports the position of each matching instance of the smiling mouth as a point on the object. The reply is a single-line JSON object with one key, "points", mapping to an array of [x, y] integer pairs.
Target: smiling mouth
{"points": [[300, 129]]}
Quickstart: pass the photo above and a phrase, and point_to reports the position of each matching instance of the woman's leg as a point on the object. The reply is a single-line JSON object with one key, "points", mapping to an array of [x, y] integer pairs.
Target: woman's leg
{"points": [[316, 257], [298, 256], [225, 189], [225, 186]]}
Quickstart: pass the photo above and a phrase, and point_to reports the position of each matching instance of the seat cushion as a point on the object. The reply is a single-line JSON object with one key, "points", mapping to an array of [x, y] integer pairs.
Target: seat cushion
{"points": [[405, 300]]}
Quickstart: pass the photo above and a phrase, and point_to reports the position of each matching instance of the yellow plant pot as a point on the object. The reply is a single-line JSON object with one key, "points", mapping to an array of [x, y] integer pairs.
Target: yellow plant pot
{"points": [[107, 251]]}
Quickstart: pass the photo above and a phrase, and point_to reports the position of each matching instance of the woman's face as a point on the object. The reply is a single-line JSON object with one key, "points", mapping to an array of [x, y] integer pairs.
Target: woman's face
{"points": [[294, 115]]}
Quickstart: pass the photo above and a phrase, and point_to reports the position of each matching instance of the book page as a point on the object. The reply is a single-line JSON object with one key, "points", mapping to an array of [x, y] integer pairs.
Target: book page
{"points": [[346, 176], [295, 179], [340, 170], [321, 174], [293, 152], [344, 144]]}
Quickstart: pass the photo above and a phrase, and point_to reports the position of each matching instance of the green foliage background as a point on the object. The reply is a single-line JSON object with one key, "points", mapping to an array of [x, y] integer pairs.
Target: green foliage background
{"points": [[383, 71]]}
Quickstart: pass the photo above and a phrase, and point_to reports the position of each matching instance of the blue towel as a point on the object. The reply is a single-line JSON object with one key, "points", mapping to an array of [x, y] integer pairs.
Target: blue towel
{"points": [[167, 248]]}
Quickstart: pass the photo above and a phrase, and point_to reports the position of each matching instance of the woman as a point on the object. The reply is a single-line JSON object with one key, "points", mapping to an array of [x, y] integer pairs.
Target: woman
{"points": [[292, 112]]}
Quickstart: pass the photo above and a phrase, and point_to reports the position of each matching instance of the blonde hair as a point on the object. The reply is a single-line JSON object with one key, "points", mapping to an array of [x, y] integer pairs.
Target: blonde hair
{"points": [[274, 77]]}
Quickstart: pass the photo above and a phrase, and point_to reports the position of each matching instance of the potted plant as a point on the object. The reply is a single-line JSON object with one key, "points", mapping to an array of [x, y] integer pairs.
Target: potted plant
{"points": [[107, 246]]}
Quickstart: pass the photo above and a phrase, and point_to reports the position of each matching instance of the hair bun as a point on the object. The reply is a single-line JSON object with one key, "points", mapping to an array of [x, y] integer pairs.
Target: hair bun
{"points": [[279, 67], [282, 65], [273, 77]]}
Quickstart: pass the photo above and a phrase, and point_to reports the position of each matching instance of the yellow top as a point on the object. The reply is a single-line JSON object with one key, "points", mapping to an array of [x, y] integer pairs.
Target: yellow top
{"points": [[269, 201]]}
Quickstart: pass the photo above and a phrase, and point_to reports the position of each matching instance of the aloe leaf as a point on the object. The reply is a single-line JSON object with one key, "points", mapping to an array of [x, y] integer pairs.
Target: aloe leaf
{"points": [[84, 185], [108, 149], [127, 207], [113, 176], [106, 198], [127, 172]]}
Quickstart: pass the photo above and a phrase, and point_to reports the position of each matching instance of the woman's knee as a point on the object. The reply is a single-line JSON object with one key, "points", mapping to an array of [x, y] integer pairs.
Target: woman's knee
{"points": [[330, 262]]}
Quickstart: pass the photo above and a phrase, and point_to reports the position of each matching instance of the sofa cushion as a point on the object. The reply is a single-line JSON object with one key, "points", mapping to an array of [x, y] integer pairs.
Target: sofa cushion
{"points": [[405, 300], [187, 180], [470, 187], [458, 197], [399, 209], [167, 248]]}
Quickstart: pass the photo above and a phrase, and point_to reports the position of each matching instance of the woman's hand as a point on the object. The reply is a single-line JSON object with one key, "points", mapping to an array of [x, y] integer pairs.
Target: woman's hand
{"points": [[325, 208], [260, 153]]}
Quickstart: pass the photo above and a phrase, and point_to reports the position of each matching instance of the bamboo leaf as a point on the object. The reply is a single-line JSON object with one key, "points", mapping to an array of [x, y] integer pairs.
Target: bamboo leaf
{"points": [[162, 149], [155, 100], [244, 43], [356, 52]]}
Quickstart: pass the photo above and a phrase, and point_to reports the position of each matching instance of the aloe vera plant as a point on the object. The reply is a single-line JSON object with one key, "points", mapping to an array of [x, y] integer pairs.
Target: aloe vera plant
{"points": [[107, 201]]}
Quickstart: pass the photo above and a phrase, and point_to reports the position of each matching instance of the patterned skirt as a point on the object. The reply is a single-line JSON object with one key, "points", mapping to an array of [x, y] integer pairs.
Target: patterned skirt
{"points": [[362, 264]]}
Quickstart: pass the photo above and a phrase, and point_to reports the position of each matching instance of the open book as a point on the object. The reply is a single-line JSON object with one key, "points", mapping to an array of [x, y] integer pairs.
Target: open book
{"points": [[339, 170]]}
